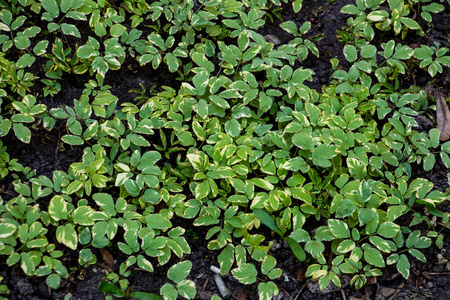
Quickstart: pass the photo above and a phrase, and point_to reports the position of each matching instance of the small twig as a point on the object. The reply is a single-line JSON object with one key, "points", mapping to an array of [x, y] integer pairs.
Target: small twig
{"points": [[204, 286], [286, 293], [343, 294], [301, 290], [57, 145], [440, 273], [396, 291]]}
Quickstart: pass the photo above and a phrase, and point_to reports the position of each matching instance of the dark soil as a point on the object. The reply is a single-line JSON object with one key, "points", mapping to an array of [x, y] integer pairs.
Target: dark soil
{"points": [[427, 281]]}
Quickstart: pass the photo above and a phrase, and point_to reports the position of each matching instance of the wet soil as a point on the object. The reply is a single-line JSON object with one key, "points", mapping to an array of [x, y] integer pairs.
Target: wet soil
{"points": [[43, 154]]}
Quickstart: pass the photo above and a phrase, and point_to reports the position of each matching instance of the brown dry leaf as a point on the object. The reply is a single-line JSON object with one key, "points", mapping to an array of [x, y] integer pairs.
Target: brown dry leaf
{"points": [[300, 274], [442, 117], [241, 296], [372, 280], [107, 257], [385, 292]]}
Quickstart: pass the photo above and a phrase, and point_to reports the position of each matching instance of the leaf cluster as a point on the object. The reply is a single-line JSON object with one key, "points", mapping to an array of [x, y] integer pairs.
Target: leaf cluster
{"points": [[241, 143]]}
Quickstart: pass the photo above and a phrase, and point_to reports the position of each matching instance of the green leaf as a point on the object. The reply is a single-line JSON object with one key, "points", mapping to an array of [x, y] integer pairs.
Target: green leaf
{"points": [[51, 6], [245, 273], [303, 140], [267, 220], [265, 102], [172, 62], [346, 246], [268, 264], [145, 296], [368, 51], [339, 229], [7, 229], [65, 5], [344, 87], [100, 66], [169, 292], [22, 132], [350, 53], [290, 27], [107, 287], [53, 281], [377, 16], [297, 5], [267, 290], [13, 259], [322, 154], [81, 215], [66, 235], [380, 243], [423, 52], [434, 137], [417, 254], [315, 248], [350, 9], [106, 203], [410, 23], [148, 159], [72, 140], [305, 28], [57, 208], [179, 271], [403, 52], [403, 266], [373, 256], [295, 164], [5, 126], [296, 249], [201, 60], [70, 29], [262, 183], [117, 30], [200, 81], [364, 192], [251, 52], [27, 264], [226, 259], [138, 140], [233, 128], [157, 221], [186, 289], [25, 61]]}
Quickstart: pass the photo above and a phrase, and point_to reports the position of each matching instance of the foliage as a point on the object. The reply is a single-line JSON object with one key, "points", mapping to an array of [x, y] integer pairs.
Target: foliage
{"points": [[241, 141]]}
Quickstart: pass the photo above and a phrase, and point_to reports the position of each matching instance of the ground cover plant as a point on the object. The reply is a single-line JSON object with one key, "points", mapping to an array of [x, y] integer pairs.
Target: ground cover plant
{"points": [[235, 145]]}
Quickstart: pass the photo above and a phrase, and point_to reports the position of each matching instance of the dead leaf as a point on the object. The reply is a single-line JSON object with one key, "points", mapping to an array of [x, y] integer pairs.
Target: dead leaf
{"points": [[442, 117], [371, 280], [300, 274], [385, 292], [241, 296], [107, 257]]}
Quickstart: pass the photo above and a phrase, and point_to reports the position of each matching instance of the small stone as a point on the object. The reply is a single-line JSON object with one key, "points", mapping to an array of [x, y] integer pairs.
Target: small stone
{"points": [[430, 285], [386, 291], [271, 38], [279, 296]]}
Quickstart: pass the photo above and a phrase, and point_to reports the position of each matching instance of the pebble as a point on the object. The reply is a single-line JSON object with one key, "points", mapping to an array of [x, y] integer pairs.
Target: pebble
{"points": [[271, 38], [279, 296], [430, 284]]}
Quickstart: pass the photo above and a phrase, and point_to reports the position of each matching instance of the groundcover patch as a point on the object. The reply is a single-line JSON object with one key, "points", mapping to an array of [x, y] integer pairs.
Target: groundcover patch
{"points": [[219, 148]]}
